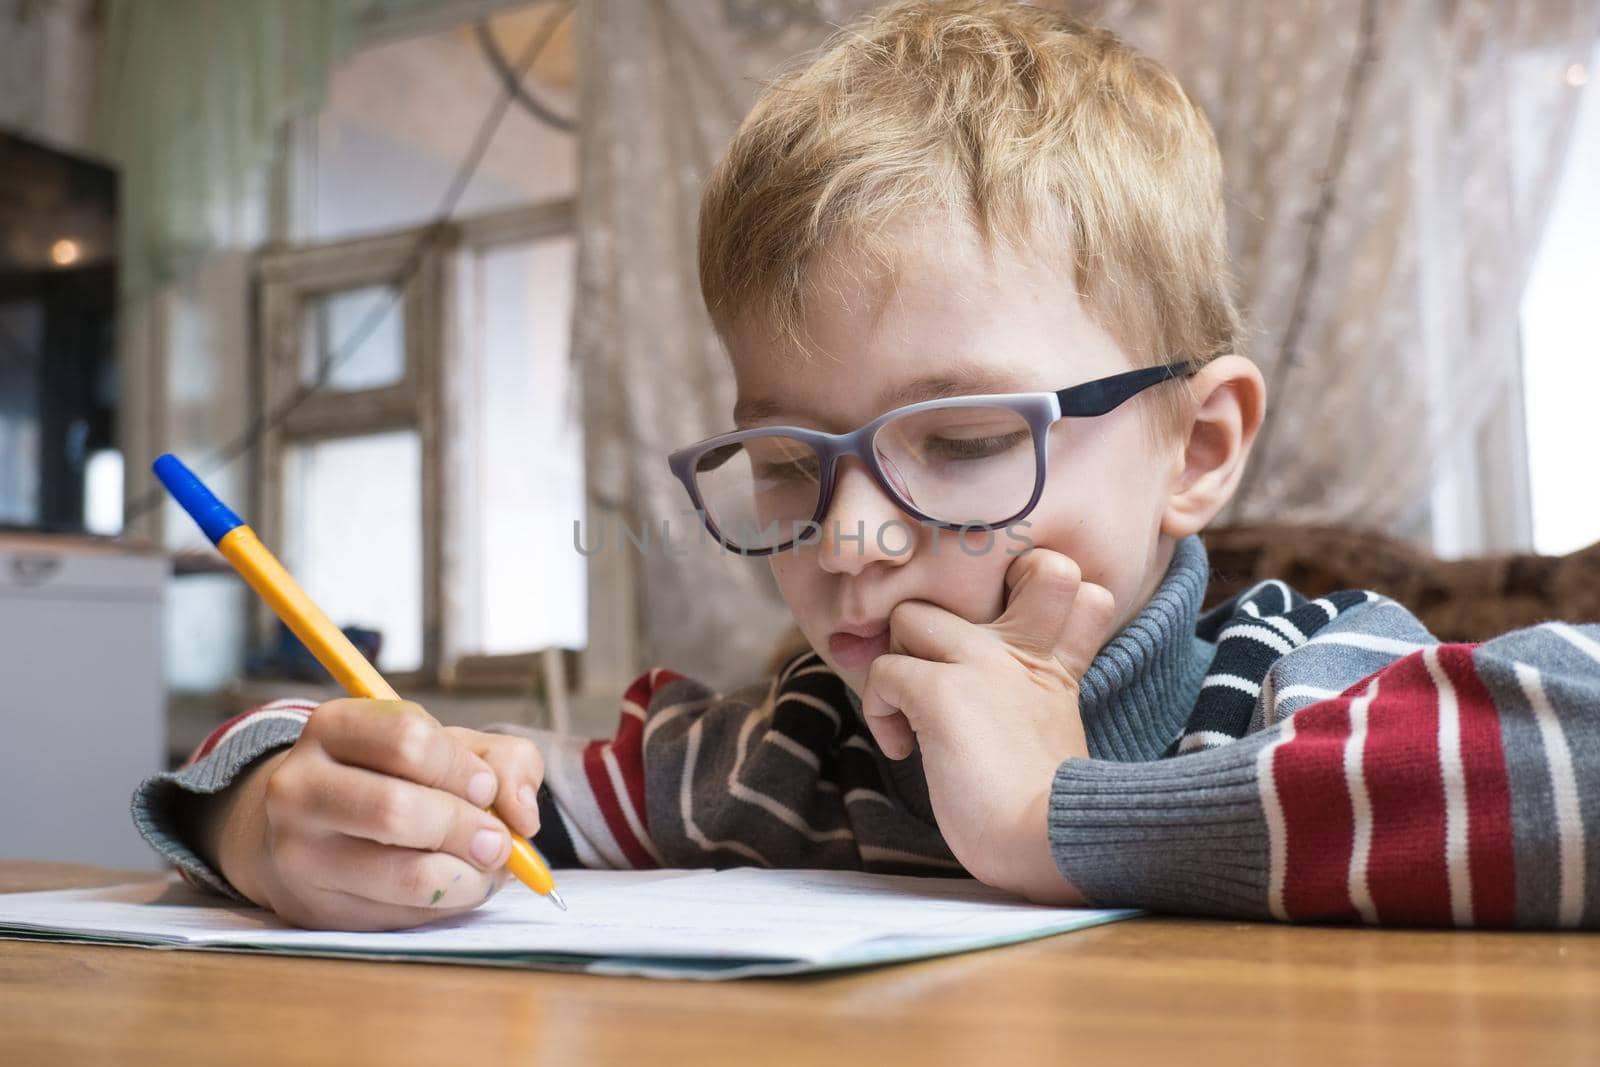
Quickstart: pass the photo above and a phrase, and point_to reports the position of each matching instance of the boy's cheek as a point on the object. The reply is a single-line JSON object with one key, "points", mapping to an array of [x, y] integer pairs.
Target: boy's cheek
{"points": [[1116, 550]]}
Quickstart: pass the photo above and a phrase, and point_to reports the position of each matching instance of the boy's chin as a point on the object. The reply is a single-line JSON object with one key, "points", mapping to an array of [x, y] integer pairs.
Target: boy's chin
{"points": [[854, 680]]}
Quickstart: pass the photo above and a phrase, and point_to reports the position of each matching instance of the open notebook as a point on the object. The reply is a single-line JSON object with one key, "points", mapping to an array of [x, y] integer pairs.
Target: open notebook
{"points": [[663, 924]]}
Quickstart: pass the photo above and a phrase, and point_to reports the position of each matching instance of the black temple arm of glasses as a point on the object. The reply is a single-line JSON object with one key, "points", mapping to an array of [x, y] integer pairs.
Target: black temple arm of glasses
{"points": [[1100, 396]]}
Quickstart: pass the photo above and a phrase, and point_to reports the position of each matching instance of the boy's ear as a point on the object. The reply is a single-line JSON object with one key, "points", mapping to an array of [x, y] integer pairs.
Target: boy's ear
{"points": [[1230, 399]]}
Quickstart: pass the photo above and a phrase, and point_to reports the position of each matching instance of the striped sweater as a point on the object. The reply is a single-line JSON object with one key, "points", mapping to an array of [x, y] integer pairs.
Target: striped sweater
{"points": [[1277, 758]]}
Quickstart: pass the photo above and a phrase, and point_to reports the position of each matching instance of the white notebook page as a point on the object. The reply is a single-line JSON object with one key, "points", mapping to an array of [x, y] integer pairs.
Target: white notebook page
{"points": [[814, 918]]}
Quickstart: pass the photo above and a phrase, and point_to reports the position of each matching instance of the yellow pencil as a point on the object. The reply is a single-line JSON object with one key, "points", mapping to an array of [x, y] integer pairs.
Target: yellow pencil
{"points": [[260, 568]]}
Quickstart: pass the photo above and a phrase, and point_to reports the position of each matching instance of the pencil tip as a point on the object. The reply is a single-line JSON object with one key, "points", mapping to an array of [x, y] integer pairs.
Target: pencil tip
{"points": [[555, 898]]}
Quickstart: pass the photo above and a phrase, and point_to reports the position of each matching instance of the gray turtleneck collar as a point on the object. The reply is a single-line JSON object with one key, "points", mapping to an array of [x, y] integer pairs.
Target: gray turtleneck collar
{"points": [[1139, 691]]}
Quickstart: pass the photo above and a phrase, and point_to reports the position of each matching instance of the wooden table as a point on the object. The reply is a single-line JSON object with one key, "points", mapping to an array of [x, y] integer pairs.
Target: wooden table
{"points": [[1144, 991]]}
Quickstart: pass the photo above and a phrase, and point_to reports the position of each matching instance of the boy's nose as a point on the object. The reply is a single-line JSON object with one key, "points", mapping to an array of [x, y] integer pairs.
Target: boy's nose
{"points": [[863, 525]]}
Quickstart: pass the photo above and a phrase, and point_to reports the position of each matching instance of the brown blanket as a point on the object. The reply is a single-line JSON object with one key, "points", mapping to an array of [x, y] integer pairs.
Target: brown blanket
{"points": [[1458, 600]]}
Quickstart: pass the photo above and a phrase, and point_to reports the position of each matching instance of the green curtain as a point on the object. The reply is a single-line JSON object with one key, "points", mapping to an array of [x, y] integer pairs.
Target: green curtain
{"points": [[191, 102]]}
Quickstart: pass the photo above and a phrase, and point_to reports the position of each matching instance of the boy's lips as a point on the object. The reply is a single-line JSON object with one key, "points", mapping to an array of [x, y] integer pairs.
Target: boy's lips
{"points": [[855, 645]]}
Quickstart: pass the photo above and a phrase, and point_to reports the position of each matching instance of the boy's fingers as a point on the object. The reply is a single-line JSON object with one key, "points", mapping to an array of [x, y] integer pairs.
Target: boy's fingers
{"points": [[518, 767], [390, 811], [1041, 588], [430, 884], [891, 681], [927, 631], [1088, 628], [402, 740]]}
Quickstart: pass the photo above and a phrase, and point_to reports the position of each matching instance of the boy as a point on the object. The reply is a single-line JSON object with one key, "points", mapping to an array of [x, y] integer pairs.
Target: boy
{"points": [[991, 239]]}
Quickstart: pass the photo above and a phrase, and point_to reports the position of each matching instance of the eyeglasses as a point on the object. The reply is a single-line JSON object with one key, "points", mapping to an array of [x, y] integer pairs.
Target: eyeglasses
{"points": [[970, 463]]}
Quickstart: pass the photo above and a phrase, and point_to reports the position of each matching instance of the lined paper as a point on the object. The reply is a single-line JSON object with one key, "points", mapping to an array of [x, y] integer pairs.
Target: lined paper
{"points": [[701, 924]]}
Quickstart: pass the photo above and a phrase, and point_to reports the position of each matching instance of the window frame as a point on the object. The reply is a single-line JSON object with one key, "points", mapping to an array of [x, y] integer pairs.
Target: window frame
{"points": [[438, 337]]}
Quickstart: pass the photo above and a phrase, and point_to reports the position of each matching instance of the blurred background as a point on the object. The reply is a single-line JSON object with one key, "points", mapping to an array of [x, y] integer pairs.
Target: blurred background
{"points": [[411, 284]]}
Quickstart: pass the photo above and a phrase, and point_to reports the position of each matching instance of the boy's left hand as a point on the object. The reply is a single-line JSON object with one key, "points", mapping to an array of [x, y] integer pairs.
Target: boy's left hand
{"points": [[995, 709]]}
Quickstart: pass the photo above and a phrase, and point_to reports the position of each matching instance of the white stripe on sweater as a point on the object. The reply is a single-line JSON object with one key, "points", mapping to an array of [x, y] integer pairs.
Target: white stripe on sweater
{"points": [[592, 840], [1369, 642], [814, 703], [624, 801], [815, 668], [1453, 775], [795, 749], [1564, 791], [1355, 781], [1573, 637], [280, 710], [662, 716], [1272, 810], [691, 829], [1203, 739], [1283, 590], [1232, 681], [1286, 628], [770, 804], [1257, 633]]}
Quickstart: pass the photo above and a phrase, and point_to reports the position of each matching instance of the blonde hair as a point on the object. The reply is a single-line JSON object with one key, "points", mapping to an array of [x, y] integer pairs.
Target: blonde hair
{"points": [[1011, 117]]}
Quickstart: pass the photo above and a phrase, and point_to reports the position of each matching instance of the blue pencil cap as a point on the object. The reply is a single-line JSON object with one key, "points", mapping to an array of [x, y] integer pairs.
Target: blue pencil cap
{"points": [[213, 516]]}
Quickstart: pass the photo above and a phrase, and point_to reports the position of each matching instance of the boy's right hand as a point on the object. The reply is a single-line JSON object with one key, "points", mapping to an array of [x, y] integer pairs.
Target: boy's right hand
{"points": [[374, 819]]}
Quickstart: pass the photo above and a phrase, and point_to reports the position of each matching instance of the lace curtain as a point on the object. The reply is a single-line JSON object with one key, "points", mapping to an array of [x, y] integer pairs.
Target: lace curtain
{"points": [[192, 101], [1388, 164], [1389, 168], [663, 85]]}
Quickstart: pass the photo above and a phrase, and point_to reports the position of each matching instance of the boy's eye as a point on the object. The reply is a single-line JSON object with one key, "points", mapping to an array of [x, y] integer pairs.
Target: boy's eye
{"points": [[969, 448], [787, 470]]}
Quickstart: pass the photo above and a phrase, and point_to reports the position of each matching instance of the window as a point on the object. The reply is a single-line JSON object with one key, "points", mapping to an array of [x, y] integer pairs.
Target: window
{"points": [[426, 486], [351, 474], [353, 511], [444, 419], [1561, 345], [519, 459]]}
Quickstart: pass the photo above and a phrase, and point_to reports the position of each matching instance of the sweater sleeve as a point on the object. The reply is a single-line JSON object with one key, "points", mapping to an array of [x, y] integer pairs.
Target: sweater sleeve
{"points": [[1458, 784], [564, 837], [573, 829], [592, 806], [214, 766]]}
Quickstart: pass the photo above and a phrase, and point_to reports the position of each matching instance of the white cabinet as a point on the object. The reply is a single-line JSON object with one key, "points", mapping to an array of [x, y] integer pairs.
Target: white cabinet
{"points": [[82, 700]]}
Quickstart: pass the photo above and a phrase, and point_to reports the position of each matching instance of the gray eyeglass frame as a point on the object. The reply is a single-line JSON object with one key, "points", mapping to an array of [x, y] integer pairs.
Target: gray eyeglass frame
{"points": [[1040, 410]]}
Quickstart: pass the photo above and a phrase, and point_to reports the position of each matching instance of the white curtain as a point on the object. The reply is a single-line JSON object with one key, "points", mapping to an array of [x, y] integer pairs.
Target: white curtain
{"points": [[1389, 166], [193, 98], [1388, 163], [663, 85]]}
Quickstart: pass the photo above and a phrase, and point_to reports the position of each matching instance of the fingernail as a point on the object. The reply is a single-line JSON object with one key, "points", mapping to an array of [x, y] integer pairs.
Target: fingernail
{"points": [[486, 846], [529, 797], [481, 789]]}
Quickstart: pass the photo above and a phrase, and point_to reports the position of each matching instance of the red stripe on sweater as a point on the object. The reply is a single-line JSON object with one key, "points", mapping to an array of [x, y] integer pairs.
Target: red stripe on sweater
{"points": [[1308, 771], [216, 735], [628, 745], [627, 748], [1406, 867], [1490, 858], [605, 797]]}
